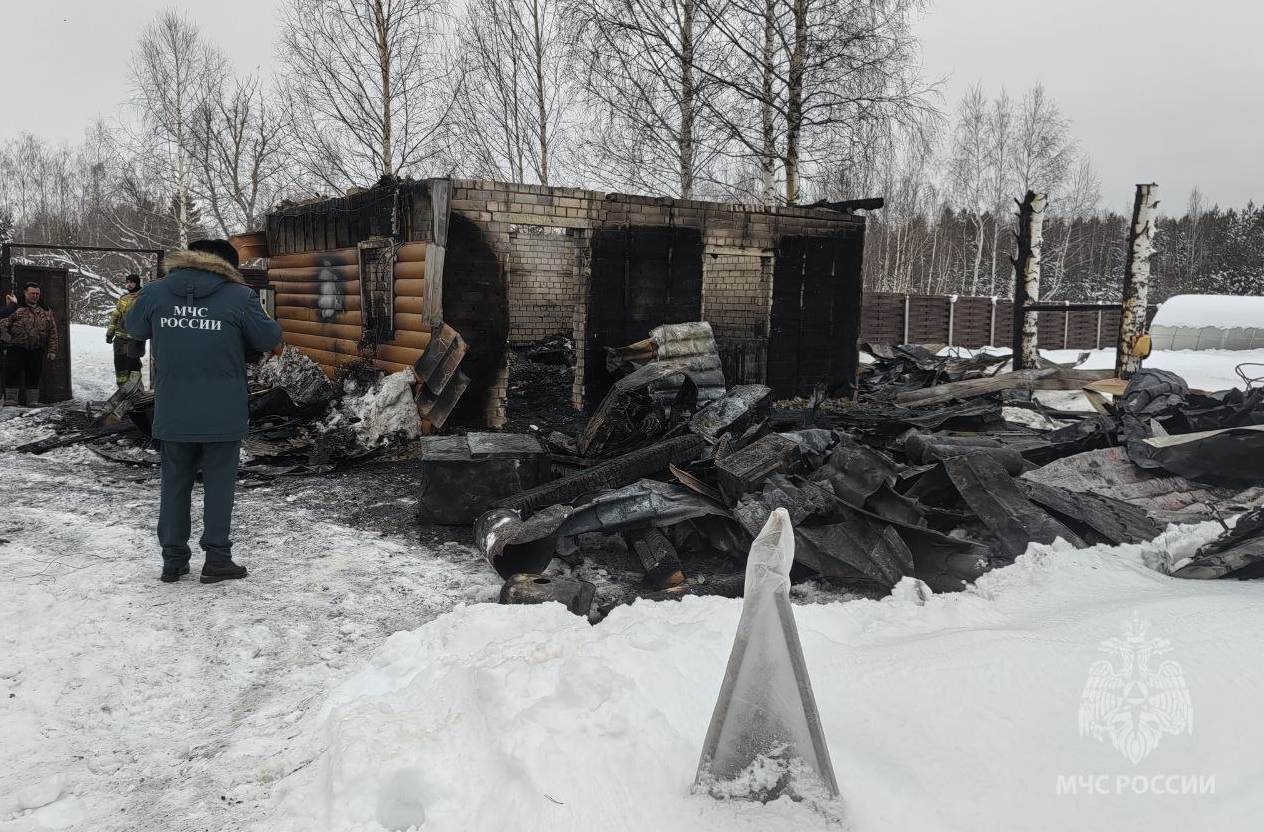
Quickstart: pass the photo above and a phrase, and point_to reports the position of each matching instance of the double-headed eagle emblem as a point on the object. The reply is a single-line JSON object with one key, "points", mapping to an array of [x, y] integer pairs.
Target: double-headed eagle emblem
{"points": [[1130, 699]]}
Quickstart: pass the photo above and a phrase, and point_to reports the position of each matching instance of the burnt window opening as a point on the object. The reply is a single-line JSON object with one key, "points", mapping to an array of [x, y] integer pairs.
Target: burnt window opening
{"points": [[377, 289]]}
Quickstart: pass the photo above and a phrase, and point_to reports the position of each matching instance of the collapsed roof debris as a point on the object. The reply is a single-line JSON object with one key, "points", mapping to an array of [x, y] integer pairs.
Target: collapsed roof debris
{"points": [[923, 475], [926, 474]]}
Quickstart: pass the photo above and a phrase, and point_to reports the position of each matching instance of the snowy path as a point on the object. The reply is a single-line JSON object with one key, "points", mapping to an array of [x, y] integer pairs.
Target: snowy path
{"points": [[130, 704]]}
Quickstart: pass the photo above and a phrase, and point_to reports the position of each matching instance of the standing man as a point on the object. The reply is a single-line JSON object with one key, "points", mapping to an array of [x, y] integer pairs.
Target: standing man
{"points": [[30, 335], [8, 308], [127, 351], [202, 319]]}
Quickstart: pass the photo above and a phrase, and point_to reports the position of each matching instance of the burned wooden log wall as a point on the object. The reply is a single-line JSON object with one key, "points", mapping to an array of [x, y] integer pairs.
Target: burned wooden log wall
{"points": [[319, 305], [376, 274]]}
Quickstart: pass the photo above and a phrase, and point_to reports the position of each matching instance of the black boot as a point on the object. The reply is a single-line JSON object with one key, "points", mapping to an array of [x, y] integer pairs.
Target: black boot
{"points": [[214, 571], [172, 572]]}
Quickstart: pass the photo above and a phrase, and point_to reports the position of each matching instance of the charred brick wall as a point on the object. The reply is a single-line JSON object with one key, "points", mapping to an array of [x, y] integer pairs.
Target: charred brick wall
{"points": [[542, 283], [543, 235], [736, 291]]}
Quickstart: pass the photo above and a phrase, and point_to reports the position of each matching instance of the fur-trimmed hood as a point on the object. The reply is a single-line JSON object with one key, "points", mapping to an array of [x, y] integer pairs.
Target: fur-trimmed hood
{"points": [[202, 261]]}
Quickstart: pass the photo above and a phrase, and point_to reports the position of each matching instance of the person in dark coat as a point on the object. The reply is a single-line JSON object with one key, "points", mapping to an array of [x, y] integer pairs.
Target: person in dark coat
{"points": [[202, 319], [9, 306], [29, 336]]}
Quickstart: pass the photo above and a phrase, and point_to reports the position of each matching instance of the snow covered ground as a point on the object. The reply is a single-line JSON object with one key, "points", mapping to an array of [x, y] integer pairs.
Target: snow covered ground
{"points": [[283, 702], [92, 363]]}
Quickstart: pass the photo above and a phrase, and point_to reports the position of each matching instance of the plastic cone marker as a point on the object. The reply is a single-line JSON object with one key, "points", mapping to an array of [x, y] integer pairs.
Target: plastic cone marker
{"points": [[766, 710]]}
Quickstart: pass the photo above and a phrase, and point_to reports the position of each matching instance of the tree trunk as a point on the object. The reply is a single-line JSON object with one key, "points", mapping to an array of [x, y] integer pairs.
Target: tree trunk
{"points": [[1132, 321], [384, 67], [794, 100], [978, 254], [688, 95], [1031, 219], [767, 161], [542, 113]]}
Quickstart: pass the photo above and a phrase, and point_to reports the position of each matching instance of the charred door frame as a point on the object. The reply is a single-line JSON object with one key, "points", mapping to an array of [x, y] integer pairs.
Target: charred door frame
{"points": [[613, 265], [799, 359]]}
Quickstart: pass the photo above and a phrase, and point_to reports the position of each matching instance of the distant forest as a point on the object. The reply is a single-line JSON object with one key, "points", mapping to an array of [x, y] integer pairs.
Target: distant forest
{"points": [[785, 102]]}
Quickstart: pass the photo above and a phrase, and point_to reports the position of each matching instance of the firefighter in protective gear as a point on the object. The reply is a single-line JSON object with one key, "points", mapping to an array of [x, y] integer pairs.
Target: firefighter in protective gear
{"points": [[127, 351]]}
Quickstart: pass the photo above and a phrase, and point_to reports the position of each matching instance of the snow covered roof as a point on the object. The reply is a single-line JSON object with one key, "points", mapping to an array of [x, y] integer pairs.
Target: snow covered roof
{"points": [[1225, 311]]}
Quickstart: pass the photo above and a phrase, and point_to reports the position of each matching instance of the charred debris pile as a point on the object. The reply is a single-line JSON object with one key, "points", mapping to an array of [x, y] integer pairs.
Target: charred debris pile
{"points": [[301, 422], [944, 467]]}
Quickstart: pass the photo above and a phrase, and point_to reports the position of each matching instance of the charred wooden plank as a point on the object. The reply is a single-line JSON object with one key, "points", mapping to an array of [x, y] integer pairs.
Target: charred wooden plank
{"points": [[1002, 506]]}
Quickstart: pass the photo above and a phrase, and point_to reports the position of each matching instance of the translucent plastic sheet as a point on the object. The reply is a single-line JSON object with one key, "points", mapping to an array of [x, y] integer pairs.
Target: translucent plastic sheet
{"points": [[765, 737]]}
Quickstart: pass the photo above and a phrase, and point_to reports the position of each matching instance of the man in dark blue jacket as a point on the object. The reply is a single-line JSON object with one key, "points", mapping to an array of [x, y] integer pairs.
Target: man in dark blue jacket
{"points": [[202, 320]]}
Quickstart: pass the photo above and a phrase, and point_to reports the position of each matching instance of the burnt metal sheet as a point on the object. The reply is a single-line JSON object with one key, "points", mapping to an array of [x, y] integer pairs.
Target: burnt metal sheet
{"points": [[642, 504], [437, 409], [725, 413], [644, 462], [855, 548], [1226, 454], [997, 500], [440, 360], [1114, 520], [1165, 497], [1238, 553]]}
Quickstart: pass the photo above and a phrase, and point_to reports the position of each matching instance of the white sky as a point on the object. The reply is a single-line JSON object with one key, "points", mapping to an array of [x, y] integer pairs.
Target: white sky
{"points": [[1159, 90]]}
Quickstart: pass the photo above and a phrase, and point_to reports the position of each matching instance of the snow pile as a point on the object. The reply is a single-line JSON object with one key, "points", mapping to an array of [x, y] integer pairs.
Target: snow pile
{"points": [[1224, 311], [379, 413], [952, 712]]}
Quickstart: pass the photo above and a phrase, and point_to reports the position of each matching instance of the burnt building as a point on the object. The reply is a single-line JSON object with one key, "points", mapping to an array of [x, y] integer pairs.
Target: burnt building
{"points": [[443, 275]]}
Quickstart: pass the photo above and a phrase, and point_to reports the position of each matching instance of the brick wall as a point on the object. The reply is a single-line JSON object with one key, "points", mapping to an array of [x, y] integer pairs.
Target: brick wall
{"points": [[542, 284], [547, 271], [737, 293]]}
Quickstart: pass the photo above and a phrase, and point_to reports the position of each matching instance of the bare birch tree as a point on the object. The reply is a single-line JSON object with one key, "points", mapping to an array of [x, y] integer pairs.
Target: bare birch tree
{"points": [[643, 70], [510, 114], [813, 73], [368, 88], [1044, 150], [173, 73], [1000, 146], [969, 169], [239, 154]]}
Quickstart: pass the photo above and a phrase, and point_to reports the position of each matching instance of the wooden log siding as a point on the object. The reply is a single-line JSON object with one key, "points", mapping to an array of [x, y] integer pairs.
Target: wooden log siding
{"points": [[307, 284]]}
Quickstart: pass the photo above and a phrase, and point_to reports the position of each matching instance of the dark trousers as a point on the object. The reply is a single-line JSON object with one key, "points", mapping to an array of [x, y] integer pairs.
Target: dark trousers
{"points": [[124, 362], [24, 368], [181, 462]]}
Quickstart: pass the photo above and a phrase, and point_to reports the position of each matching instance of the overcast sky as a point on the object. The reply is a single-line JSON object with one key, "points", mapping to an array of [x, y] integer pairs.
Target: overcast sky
{"points": [[1159, 90]]}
